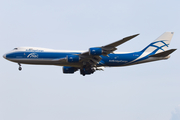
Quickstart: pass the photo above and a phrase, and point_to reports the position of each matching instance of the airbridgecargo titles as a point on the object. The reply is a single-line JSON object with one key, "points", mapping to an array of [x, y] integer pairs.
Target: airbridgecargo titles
{"points": [[96, 58]]}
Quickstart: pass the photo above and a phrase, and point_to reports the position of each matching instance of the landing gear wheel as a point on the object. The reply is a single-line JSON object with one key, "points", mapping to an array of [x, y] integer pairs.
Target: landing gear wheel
{"points": [[20, 68]]}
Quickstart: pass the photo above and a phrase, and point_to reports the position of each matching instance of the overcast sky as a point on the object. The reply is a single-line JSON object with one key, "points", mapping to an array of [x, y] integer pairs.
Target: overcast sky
{"points": [[149, 91]]}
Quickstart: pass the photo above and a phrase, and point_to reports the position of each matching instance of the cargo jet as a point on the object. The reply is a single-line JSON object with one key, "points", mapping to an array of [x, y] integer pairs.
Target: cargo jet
{"points": [[96, 58]]}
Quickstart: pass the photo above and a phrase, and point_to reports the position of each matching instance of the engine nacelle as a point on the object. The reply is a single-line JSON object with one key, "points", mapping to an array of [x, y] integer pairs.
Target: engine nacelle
{"points": [[95, 51], [67, 69], [72, 58]]}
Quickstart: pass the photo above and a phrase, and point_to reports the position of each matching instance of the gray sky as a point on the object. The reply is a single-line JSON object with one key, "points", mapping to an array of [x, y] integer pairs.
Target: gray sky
{"points": [[148, 91]]}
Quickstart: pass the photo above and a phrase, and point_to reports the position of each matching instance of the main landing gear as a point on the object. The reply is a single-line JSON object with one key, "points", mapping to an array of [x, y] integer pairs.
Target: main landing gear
{"points": [[20, 68]]}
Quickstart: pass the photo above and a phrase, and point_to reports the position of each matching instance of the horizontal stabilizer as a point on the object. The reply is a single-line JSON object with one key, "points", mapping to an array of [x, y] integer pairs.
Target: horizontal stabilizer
{"points": [[163, 54]]}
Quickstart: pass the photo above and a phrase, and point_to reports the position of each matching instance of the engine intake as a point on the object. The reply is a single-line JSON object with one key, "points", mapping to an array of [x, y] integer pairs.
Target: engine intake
{"points": [[95, 51], [72, 58]]}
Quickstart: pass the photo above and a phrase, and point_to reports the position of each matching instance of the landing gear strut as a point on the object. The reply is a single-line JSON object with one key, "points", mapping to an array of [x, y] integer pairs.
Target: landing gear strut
{"points": [[20, 68], [82, 71]]}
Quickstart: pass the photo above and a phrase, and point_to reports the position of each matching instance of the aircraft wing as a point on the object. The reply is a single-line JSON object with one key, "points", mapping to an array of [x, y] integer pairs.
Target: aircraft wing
{"points": [[119, 42], [93, 59]]}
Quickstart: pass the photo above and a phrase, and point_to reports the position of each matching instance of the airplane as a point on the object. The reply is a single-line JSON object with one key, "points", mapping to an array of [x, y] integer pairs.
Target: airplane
{"points": [[96, 58]]}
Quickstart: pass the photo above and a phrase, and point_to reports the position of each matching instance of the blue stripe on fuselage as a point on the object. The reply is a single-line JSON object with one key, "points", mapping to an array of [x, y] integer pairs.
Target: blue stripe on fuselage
{"points": [[119, 59], [37, 55], [112, 60]]}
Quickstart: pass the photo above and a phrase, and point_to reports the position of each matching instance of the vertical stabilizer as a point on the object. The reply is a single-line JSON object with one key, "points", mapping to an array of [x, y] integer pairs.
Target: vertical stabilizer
{"points": [[160, 44]]}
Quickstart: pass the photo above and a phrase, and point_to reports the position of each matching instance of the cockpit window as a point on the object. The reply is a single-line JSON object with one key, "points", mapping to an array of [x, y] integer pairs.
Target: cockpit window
{"points": [[15, 48]]}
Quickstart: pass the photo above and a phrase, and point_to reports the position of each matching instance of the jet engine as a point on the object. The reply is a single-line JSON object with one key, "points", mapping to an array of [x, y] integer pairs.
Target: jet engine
{"points": [[67, 69], [95, 51], [72, 58]]}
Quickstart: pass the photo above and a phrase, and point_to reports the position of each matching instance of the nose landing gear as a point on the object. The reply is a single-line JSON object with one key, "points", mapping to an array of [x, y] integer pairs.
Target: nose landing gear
{"points": [[20, 68]]}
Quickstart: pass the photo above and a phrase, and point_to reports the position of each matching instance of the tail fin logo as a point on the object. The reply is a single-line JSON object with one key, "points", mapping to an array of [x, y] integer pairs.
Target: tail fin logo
{"points": [[156, 47], [159, 45]]}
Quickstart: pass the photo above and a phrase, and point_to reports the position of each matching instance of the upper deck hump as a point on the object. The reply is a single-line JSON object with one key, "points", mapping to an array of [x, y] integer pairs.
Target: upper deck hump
{"points": [[39, 49]]}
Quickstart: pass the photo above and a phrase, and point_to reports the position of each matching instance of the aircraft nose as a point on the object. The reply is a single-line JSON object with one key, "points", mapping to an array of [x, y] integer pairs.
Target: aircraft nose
{"points": [[4, 56]]}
